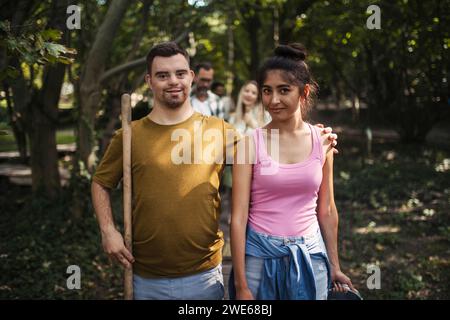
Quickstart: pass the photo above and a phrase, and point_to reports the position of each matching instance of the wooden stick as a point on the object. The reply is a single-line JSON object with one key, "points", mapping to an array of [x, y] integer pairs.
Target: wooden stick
{"points": [[126, 126]]}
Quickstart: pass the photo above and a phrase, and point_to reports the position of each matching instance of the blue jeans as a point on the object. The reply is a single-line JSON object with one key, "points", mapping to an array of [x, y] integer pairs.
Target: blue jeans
{"points": [[207, 285], [254, 265]]}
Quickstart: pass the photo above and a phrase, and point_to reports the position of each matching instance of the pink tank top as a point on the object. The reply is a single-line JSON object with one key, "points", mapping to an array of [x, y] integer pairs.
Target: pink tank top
{"points": [[283, 197]]}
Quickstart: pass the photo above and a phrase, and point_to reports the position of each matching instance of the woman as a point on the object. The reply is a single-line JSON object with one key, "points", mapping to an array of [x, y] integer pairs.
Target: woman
{"points": [[284, 219], [249, 113], [248, 116]]}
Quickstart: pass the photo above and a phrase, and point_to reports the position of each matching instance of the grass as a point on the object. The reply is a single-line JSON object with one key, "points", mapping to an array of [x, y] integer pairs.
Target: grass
{"points": [[8, 142], [394, 213]]}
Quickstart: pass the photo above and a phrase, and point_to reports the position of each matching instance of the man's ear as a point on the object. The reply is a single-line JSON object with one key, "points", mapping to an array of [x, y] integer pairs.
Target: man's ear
{"points": [[148, 80], [192, 73]]}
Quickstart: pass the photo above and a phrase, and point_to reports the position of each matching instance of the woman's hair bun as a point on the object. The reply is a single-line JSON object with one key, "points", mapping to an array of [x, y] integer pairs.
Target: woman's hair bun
{"points": [[294, 51]]}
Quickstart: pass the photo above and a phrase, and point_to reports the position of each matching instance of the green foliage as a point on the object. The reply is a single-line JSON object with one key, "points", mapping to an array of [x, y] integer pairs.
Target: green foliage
{"points": [[33, 46], [399, 71]]}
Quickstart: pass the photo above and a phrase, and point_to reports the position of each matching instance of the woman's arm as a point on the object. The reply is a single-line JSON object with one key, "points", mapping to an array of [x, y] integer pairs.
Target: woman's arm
{"points": [[242, 176], [328, 220]]}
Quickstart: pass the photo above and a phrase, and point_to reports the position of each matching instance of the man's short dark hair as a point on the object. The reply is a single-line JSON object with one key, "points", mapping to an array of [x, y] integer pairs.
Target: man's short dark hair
{"points": [[216, 84], [164, 49], [203, 65]]}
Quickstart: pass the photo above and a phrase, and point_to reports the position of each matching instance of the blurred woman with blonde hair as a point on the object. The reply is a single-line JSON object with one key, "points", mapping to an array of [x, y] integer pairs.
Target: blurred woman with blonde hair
{"points": [[249, 113]]}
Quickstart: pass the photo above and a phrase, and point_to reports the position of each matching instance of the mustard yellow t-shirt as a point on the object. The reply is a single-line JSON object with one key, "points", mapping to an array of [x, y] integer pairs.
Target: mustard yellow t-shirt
{"points": [[176, 170]]}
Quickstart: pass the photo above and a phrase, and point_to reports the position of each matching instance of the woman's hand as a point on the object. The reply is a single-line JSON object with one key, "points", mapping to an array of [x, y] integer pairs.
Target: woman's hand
{"points": [[248, 119], [330, 136], [339, 279], [244, 294]]}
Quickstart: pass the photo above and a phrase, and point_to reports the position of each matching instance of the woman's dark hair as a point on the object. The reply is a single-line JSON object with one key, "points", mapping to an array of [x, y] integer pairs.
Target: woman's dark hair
{"points": [[290, 59]]}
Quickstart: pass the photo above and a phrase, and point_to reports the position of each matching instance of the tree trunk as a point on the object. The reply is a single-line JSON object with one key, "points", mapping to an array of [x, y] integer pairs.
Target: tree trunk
{"points": [[16, 123], [42, 133], [276, 26], [230, 58], [43, 119], [254, 24], [251, 22], [90, 89]]}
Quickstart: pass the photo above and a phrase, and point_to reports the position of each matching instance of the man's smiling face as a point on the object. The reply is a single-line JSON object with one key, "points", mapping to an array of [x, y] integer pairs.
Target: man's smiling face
{"points": [[170, 80]]}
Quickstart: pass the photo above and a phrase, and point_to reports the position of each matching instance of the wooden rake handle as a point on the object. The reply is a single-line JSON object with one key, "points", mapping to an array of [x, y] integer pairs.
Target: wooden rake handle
{"points": [[126, 126]]}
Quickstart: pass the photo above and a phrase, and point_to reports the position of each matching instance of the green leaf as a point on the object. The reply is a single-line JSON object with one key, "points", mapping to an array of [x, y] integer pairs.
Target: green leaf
{"points": [[51, 34], [54, 49], [65, 60], [12, 72], [52, 59], [39, 41], [5, 26]]}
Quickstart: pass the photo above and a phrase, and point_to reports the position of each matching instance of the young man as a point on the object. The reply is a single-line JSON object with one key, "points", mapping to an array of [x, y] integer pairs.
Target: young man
{"points": [[176, 241], [177, 244]]}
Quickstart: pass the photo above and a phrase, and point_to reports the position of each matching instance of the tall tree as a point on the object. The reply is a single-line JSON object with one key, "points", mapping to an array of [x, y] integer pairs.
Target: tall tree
{"points": [[90, 88], [37, 106]]}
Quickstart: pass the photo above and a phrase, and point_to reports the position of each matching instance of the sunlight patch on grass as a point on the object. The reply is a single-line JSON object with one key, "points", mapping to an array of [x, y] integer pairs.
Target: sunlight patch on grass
{"points": [[377, 230], [444, 166]]}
